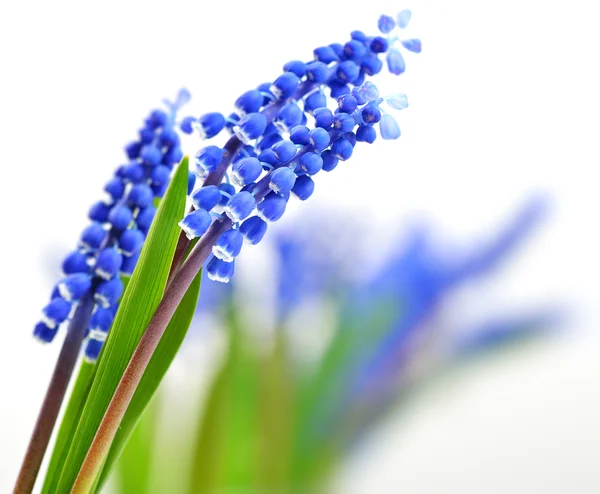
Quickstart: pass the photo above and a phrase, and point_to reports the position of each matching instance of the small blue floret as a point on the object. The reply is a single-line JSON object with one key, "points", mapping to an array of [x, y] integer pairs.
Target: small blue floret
{"points": [[75, 262], [219, 270], [284, 86], [131, 242], [210, 124], [74, 286], [282, 180], [228, 245], [207, 160], [304, 187], [120, 217], [311, 163], [284, 150], [109, 292], [93, 237], [108, 263], [207, 198], [196, 223], [246, 171], [240, 206], [251, 127], [272, 207], [253, 229], [140, 195], [56, 312]]}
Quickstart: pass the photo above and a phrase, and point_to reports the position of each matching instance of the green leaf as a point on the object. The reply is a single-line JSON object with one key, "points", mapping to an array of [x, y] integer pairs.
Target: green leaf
{"points": [[69, 422], [227, 447], [137, 307], [68, 425], [133, 470], [314, 453], [158, 366], [277, 417]]}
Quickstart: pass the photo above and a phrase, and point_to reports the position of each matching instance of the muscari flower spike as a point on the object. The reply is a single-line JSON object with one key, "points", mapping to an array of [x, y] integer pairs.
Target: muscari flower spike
{"points": [[109, 247], [284, 132]]}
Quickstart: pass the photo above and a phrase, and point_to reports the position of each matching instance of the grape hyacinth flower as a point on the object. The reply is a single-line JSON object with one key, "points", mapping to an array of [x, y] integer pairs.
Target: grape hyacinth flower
{"points": [[109, 247], [307, 119], [285, 132]]}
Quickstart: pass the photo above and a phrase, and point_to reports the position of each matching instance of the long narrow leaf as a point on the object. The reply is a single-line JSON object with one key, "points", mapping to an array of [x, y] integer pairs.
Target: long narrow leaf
{"points": [[139, 302], [134, 469], [69, 422], [276, 418], [226, 448], [158, 366]]}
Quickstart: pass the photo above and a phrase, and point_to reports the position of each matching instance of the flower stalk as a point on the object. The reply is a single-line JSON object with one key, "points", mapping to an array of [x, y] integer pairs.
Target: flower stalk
{"points": [[115, 412], [54, 397]]}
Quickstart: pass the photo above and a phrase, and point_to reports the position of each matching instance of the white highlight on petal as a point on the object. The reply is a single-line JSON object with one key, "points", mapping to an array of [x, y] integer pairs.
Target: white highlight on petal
{"points": [[198, 128], [103, 274], [241, 135], [218, 278], [276, 91], [236, 179], [64, 291], [51, 323], [231, 214], [98, 335], [102, 300], [188, 232], [222, 254]]}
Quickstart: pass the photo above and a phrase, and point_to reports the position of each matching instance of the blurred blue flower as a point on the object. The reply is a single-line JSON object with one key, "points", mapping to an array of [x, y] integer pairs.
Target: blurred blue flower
{"points": [[381, 319]]}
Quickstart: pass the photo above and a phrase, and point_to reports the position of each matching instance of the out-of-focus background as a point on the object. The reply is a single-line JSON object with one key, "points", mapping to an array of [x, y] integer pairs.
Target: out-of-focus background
{"points": [[503, 105]]}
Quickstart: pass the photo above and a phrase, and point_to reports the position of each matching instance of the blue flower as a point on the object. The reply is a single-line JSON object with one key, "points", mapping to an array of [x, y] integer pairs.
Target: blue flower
{"points": [[108, 263], [284, 133], [304, 187], [240, 206], [196, 223], [110, 245], [108, 293], [228, 245], [253, 229], [131, 242], [74, 286], [219, 270], [207, 197], [210, 125], [207, 160], [56, 312], [272, 207], [246, 171], [282, 180]]}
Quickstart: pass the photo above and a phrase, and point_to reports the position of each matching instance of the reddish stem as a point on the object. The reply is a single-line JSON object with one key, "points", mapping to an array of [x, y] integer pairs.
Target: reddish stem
{"points": [[139, 361], [54, 397]]}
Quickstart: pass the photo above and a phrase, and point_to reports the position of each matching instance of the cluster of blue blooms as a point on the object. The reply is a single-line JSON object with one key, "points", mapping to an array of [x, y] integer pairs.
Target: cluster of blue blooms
{"points": [[286, 131], [273, 153], [110, 246]]}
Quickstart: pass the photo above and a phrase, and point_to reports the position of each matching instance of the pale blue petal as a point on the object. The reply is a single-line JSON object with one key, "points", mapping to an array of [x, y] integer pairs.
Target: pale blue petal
{"points": [[403, 18], [395, 62], [397, 101], [183, 96], [388, 127], [369, 91], [413, 45]]}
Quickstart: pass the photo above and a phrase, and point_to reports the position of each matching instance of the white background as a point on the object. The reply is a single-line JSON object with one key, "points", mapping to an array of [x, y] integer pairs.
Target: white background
{"points": [[503, 101]]}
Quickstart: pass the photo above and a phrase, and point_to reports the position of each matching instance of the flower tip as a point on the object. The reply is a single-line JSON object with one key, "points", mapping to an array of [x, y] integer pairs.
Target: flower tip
{"points": [[403, 18]]}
